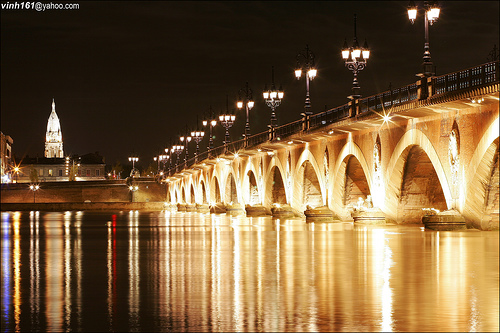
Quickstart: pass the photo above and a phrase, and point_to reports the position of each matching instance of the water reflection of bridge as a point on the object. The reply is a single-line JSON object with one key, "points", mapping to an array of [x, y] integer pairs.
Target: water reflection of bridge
{"points": [[431, 144]]}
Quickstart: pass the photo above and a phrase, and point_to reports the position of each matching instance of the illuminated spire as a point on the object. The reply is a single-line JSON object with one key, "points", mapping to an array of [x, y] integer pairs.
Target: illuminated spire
{"points": [[53, 137]]}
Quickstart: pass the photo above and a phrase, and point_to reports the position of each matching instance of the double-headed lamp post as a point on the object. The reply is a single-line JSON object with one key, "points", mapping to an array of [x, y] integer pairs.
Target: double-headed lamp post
{"points": [[432, 11], [273, 98], [34, 188], [132, 188], [245, 99], [355, 58], [305, 63]]}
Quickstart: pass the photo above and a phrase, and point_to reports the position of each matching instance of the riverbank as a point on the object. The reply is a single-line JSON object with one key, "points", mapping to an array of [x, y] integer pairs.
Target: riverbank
{"points": [[88, 195], [96, 206]]}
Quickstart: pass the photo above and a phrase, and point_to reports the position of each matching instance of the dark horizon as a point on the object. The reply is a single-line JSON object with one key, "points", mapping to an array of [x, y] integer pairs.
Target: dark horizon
{"points": [[128, 77]]}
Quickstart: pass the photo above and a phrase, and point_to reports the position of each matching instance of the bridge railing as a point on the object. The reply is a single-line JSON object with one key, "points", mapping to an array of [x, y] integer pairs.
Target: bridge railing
{"points": [[462, 80], [329, 116], [389, 98], [465, 79], [286, 130], [257, 139]]}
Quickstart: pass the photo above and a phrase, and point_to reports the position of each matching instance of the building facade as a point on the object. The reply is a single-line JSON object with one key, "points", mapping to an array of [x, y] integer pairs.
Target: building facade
{"points": [[70, 168], [53, 137], [6, 157]]}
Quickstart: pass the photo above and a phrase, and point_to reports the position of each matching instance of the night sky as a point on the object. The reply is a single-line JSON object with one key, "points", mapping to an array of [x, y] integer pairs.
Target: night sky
{"points": [[127, 77]]}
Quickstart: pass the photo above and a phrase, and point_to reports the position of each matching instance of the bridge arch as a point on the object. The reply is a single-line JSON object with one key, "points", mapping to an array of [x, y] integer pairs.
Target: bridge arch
{"points": [[274, 186], [202, 190], [414, 145], [178, 195], [351, 163], [251, 189], [192, 196], [309, 180], [215, 192], [231, 190], [479, 206], [183, 194]]}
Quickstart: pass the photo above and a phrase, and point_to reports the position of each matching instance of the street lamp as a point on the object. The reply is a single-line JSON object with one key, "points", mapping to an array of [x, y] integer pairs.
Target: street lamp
{"points": [[132, 188], [197, 137], [134, 170], [212, 122], [16, 172], [178, 150], [305, 63], [227, 120], [161, 158], [186, 138], [247, 101], [133, 160], [34, 188], [273, 98], [431, 15], [355, 58]]}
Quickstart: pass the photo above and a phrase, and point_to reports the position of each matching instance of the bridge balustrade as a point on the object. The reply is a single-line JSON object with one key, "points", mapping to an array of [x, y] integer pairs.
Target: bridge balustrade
{"points": [[235, 146], [389, 99], [288, 129], [257, 139], [329, 116], [466, 79], [462, 80]]}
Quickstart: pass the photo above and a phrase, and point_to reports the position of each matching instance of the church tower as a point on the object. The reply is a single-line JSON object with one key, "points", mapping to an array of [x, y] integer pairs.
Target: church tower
{"points": [[53, 138]]}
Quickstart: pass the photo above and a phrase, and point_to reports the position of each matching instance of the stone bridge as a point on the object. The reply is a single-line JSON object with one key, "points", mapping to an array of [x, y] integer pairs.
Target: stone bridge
{"points": [[430, 145]]}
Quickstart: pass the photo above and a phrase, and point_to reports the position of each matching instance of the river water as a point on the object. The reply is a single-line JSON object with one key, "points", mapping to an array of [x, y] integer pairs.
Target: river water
{"points": [[173, 271]]}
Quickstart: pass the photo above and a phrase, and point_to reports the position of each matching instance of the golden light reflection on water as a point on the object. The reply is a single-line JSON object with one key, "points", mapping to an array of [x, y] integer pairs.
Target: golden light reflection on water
{"points": [[133, 271], [34, 264], [17, 269], [189, 271]]}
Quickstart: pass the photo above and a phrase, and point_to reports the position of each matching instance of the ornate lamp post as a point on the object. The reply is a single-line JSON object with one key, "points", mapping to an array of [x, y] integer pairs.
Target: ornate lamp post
{"points": [[161, 158], [305, 63], [227, 120], [248, 102], [197, 137], [212, 122], [355, 58], [187, 138], [178, 150], [431, 15], [273, 98]]}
